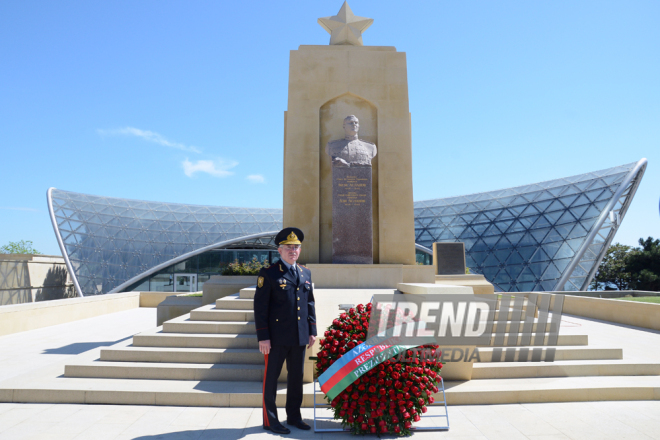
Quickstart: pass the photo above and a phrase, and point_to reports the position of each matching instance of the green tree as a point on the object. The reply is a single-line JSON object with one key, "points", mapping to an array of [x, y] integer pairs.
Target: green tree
{"points": [[19, 247], [644, 265], [613, 272]]}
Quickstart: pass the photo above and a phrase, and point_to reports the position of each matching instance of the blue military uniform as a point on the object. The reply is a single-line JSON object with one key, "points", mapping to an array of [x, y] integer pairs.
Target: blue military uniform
{"points": [[284, 314]]}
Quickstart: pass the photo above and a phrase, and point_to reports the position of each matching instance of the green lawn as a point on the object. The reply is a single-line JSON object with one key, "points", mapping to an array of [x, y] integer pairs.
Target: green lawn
{"points": [[646, 299]]}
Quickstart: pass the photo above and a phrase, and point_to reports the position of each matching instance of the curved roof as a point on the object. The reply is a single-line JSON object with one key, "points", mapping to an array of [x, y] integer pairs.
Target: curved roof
{"points": [[106, 241], [546, 236]]}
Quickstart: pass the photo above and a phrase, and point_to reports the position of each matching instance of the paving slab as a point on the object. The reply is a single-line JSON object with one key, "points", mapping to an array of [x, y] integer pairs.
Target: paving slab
{"points": [[584, 420]]}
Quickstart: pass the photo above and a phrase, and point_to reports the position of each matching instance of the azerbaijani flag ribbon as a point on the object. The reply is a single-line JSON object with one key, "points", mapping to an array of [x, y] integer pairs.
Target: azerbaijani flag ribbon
{"points": [[358, 361]]}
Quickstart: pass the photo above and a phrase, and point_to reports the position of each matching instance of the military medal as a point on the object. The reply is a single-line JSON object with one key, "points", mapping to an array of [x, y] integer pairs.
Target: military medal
{"points": [[260, 282]]}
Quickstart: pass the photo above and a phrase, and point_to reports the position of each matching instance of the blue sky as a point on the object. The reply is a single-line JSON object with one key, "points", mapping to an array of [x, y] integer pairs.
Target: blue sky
{"points": [[183, 101]]}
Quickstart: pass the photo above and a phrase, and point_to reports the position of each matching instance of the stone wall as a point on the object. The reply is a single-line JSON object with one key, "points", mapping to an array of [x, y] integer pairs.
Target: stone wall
{"points": [[31, 278]]}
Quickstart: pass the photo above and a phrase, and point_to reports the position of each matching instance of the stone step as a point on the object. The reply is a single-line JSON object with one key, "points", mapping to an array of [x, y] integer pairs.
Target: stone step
{"points": [[248, 393], [247, 293], [169, 371], [559, 389], [191, 340], [233, 302], [524, 370], [561, 339], [213, 313], [173, 355], [209, 327], [566, 353], [519, 326]]}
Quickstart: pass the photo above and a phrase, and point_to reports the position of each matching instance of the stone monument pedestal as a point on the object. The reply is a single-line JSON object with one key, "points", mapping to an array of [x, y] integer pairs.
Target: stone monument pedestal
{"points": [[368, 276], [479, 283]]}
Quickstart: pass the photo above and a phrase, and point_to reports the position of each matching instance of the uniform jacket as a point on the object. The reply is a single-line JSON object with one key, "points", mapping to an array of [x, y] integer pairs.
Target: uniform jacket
{"points": [[283, 309]]}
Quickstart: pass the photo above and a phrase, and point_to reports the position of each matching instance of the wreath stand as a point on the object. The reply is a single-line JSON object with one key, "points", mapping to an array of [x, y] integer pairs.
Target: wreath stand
{"points": [[321, 405]]}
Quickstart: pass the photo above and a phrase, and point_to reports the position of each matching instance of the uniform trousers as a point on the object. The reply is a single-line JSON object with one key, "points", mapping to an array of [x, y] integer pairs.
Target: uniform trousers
{"points": [[295, 360]]}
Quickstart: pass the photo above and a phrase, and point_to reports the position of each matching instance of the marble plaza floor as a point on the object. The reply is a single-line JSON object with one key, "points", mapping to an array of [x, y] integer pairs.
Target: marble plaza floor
{"points": [[534, 421], [43, 349]]}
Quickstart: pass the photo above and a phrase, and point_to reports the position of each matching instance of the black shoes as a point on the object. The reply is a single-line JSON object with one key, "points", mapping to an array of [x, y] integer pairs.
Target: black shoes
{"points": [[300, 425], [278, 429]]}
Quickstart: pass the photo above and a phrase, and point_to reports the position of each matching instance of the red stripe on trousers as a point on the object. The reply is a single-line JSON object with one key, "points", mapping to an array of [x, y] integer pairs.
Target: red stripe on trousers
{"points": [[263, 390]]}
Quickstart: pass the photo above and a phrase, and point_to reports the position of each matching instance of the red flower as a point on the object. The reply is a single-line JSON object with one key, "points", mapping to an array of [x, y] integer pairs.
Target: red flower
{"points": [[372, 389], [397, 429], [407, 425], [424, 409], [364, 427], [373, 429]]}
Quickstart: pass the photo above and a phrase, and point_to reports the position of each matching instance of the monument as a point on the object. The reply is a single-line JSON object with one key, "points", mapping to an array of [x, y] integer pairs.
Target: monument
{"points": [[352, 215], [335, 185]]}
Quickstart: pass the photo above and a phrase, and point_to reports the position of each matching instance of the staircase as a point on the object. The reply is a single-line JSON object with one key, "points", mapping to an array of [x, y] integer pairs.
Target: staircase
{"points": [[210, 358]]}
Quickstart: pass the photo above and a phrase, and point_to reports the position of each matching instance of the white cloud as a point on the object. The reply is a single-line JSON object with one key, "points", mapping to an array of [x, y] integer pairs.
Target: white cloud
{"points": [[217, 168], [18, 208], [149, 136], [256, 178]]}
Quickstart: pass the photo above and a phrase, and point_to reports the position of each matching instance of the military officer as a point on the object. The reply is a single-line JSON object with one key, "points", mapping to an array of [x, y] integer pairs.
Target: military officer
{"points": [[286, 322]]}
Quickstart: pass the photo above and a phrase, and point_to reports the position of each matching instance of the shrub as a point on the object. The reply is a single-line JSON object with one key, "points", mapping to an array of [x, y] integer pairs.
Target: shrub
{"points": [[247, 268]]}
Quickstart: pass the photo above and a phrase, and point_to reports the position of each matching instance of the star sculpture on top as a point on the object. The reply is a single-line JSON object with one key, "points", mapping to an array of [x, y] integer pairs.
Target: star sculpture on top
{"points": [[345, 27]]}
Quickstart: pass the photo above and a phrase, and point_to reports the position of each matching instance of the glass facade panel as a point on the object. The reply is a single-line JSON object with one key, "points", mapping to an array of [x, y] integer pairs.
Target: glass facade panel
{"points": [[204, 266], [163, 282], [543, 228], [110, 240], [544, 236]]}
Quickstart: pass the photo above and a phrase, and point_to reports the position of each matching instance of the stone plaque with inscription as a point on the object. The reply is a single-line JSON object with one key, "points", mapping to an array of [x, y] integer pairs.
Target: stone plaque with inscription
{"points": [[449, 258], [352, 215], [352, 221]]}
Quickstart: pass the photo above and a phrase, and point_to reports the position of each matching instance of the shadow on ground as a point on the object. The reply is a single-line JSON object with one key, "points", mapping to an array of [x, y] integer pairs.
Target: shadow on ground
{"points": [[81, 347], [229, 434]]}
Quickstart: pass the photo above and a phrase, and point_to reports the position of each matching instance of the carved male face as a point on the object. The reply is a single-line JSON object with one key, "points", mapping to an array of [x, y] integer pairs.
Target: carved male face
{"points": [[351, 126]]}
